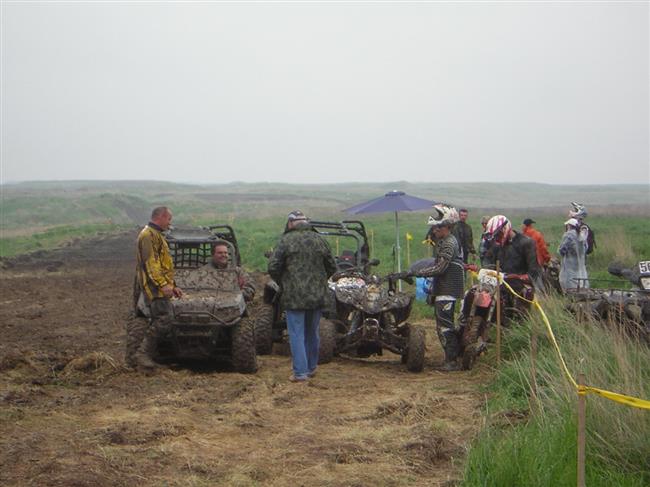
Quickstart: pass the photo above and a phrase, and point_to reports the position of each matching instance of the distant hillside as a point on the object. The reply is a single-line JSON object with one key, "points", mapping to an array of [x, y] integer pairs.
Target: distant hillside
{"points": [[47, 204]]}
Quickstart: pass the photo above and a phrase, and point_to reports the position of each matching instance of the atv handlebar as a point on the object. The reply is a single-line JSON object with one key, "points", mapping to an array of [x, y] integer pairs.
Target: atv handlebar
{"points": [[517, 277]]}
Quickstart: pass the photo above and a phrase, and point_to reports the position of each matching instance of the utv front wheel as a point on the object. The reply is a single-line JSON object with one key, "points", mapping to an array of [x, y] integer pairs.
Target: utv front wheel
{"points": [[327, 341], [415, 348], [264, 329], [244, 358]]}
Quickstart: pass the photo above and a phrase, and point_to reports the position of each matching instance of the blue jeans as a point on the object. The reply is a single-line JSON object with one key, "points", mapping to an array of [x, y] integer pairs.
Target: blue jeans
{"points": [[302, 325]]}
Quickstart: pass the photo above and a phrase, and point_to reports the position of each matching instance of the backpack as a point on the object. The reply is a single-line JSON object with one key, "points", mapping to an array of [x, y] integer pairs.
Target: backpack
{"points": [[591, 239]]}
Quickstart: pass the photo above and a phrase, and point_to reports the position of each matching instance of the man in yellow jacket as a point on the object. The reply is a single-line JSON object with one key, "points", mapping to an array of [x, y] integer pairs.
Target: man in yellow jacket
{"points": [[155, 278]]}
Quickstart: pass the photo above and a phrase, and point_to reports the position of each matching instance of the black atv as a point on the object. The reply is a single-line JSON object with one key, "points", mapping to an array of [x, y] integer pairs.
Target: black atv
{"points": [[629, 306], [371, 317], [351, 241], [210, 321]]}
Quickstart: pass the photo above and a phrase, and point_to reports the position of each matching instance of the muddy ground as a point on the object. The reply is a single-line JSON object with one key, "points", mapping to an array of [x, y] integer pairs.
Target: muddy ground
{"points": [[71, 413]]}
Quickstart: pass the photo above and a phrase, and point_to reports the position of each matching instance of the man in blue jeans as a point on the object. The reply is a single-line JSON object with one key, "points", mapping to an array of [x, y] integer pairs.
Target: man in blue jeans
{"points": [[301, 264]]}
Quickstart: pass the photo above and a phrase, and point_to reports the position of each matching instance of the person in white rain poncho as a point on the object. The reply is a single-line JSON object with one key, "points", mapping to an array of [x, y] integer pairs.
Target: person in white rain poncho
{"points": [[573, 271]]}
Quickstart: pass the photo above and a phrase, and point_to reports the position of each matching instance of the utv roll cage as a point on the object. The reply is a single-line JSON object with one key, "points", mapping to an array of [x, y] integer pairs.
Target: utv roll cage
{"points": [[350, 229], [191, 247]]}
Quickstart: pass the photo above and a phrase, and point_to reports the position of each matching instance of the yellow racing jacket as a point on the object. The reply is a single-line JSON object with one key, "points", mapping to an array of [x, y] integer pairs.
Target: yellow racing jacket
{"points": [[155, 268]]}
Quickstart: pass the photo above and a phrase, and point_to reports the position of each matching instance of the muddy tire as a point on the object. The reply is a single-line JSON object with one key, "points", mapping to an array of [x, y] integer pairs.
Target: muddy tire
{"points": [[264, 329], [415, 348], [327, 341], [244, 358], [470, 342]]}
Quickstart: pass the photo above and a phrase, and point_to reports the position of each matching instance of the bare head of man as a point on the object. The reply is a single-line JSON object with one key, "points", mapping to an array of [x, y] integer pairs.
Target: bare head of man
{"points": [[161, 216], [220, 255]]}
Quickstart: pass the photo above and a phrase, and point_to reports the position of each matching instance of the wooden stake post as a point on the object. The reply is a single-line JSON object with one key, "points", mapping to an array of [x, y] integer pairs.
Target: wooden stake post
{"points": [[498, 297], [582, 412]]}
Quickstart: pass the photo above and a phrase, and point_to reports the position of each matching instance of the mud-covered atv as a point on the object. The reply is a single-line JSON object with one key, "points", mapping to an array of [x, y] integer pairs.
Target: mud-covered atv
{"points": [[371, 317], [628, 306], [210, 321], [478, 311], [271, 326]]}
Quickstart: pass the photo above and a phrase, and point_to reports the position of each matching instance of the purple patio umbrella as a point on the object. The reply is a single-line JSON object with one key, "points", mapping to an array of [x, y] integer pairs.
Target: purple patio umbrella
{"points": [[394, 201]]}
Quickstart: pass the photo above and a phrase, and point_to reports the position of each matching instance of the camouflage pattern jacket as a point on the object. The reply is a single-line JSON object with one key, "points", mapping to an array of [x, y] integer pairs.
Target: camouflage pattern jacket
{"points": [[301, 264], [155, 268]]}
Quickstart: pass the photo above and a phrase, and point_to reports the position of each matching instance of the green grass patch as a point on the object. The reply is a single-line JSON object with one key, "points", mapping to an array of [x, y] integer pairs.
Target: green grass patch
{"points": [[539, 447]]}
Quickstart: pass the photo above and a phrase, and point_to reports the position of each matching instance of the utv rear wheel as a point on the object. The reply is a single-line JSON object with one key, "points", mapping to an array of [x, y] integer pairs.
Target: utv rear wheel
{"points": [[415, 348], [264, 329], [244, 358], [327, 341]]}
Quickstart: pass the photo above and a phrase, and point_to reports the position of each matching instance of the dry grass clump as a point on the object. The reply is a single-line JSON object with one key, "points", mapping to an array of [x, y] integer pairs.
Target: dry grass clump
{"points": [[94, 362]]}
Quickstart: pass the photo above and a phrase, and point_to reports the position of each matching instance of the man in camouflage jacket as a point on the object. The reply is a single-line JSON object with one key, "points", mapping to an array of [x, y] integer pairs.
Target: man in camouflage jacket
{"points": [[301, 264]]}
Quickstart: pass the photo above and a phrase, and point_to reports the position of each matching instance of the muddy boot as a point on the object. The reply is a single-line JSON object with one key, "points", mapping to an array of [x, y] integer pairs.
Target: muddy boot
{"points": [[136, 328], [450, 366], [144, 355]]}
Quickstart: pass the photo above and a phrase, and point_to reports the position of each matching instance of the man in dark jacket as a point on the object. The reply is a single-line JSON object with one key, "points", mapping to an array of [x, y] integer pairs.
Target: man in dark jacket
{"points": [[301, 264], [463, 233], [515, 252], [448, 273]]}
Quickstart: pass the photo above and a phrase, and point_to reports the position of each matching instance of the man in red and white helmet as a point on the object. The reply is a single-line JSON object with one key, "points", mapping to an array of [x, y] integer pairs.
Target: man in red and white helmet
{"points": [[515, 252]]}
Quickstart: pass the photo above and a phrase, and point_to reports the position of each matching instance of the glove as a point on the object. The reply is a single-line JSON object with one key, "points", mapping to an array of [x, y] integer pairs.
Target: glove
{"points": [[401, 275], [404, 275], [471, 267]]}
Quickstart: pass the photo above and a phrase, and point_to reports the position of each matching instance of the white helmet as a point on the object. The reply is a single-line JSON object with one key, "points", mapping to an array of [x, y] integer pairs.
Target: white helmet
{"points": [[572, 222], [579, 211], [444, 215], [498, 228]]}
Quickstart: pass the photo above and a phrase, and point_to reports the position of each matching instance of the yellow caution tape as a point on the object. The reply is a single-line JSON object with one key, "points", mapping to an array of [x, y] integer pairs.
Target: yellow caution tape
{"points": [[582, 389]]}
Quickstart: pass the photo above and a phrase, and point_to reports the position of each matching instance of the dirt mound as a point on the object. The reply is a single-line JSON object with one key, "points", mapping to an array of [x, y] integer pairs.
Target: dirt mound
{"points": [[100, 250]]}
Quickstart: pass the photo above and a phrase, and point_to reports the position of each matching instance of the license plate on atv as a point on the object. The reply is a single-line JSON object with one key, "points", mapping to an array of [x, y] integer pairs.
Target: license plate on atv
{"points": [[644, 267]]}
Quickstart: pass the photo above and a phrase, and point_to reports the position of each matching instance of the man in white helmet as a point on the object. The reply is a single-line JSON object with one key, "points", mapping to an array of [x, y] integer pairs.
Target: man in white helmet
{"points": [[585, 233], [449, 276]]}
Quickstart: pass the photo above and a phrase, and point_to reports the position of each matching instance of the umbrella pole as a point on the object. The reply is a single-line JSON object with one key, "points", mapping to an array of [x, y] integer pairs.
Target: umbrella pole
{"points": [[397, 250]]}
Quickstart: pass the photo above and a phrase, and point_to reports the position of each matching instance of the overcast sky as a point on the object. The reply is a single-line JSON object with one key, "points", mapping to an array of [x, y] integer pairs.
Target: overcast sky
{"points": [[304, 92]]}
